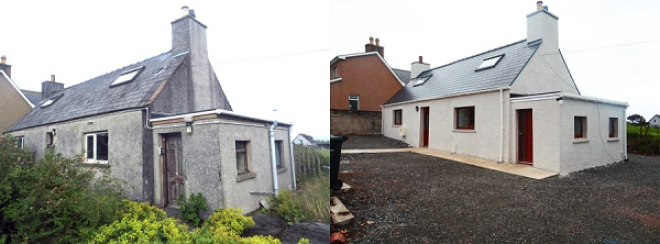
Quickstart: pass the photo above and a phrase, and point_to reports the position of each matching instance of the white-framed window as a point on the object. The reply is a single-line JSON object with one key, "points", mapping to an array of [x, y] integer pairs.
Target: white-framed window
{"points": [[279, 157], [19, 142], [96, 147], [354, 102], [490, 62], [242, 164]]}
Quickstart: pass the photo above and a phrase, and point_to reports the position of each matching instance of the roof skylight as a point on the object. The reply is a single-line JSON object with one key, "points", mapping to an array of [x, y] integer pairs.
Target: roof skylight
{"points": [[420, 81], [490, 62], [127, 76], [50, 101]]}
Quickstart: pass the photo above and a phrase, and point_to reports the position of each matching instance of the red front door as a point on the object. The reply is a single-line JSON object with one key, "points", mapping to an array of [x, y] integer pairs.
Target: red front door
{"points": [[525, 138], [425, 126]]}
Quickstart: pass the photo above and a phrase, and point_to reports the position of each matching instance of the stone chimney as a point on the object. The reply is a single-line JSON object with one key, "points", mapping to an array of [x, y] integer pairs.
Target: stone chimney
{"points": [[49, 87], [542, 24], [418, 67], [4, 66], [370, 47], [189, 35]]}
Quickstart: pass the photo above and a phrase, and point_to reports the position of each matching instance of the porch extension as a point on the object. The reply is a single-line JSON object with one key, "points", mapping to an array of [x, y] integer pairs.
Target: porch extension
{"points": [[514, 169]]}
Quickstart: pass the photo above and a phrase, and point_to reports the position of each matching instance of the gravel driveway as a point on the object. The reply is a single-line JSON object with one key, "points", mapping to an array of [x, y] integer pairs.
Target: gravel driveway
{"points": [[413, 198]]}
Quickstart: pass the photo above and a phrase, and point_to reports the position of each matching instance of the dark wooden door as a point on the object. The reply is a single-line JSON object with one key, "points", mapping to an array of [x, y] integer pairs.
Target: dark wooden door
{"points": [[525, 137], [173, 169], [425, 126]]}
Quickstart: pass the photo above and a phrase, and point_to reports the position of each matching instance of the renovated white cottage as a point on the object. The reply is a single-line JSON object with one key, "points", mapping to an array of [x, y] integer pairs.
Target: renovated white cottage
{"points": [[513, 104]]}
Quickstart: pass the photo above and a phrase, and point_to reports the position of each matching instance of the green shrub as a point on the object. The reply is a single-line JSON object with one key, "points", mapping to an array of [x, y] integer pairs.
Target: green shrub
{"points": [[190, 209], [52, 201], [303, 241], [286, 208]]}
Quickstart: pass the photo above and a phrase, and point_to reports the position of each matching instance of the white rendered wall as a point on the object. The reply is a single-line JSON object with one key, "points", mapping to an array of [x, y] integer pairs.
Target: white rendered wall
{"points": [[545, 136]]}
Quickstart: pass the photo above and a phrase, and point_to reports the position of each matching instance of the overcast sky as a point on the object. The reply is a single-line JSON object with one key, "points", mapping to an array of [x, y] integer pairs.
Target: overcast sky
{"points": [[267, 54], [612, 48]]}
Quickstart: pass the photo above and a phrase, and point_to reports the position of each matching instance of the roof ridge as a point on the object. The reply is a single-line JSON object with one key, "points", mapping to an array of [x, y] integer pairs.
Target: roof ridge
{"points": [[106, 73], [491, 50]]}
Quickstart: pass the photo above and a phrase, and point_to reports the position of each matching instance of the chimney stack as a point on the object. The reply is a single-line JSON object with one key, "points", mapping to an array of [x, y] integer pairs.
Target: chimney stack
{"points": [[418, 67], [49, 87], [541, 24], [374, 48], [4, 66]]}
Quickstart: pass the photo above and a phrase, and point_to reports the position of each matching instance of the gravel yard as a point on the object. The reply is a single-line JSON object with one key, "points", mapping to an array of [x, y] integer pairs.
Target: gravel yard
{"points": [[371, 142], [413, 198]]}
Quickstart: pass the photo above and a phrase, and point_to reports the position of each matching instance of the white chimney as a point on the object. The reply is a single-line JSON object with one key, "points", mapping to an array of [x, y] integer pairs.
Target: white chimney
{"points": [[418, 67], [542, 25]]}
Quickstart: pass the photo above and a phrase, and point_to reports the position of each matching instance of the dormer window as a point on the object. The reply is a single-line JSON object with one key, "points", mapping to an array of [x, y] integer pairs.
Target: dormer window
{"points": [[490, 62], [50, 101], [420, 81], [127, 76]]}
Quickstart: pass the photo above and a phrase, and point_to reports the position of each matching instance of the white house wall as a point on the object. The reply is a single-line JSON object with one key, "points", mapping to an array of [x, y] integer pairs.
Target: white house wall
{"points": [[545, 133], [599, 149], [545, 72]]}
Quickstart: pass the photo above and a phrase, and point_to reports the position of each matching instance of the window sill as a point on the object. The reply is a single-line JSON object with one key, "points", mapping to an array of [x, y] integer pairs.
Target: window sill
{"points": [[246, 176], [96, 164], [580, 140], [612, 139], [281, 170], [464, 131]]}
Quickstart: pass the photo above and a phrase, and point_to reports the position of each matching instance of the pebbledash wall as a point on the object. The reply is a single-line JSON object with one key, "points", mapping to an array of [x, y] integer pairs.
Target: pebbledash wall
{"points": [[210, 161], [125, 146]]}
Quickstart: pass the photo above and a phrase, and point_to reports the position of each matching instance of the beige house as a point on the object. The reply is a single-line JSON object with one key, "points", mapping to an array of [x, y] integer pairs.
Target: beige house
{"points": [[13, 103], [514, 104]]}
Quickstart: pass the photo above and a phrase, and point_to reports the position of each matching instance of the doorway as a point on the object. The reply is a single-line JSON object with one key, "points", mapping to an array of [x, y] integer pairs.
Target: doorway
{"points": [[425, 127], [525, 137], [173, 174]]}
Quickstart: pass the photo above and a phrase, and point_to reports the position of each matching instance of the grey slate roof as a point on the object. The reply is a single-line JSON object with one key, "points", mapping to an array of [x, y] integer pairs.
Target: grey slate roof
{"points": [[460, 76], [95, 96], [33, 96], [403, 75]]}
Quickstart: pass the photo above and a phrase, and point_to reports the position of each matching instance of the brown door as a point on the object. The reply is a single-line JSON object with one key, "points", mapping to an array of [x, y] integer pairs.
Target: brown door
{"points": [[525, 141], [174, 178], [425, 126]]}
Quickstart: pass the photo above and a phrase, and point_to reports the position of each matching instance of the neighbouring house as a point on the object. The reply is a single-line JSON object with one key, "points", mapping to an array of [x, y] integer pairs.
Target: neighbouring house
{"points": [[655, 121], [14, 102], [514, 104], [165, 127], [304, 140], [320, 144], [354, 100]]}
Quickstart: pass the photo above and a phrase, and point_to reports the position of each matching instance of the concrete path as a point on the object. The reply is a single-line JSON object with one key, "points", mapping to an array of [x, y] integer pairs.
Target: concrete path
{"points": [[514, 169]]}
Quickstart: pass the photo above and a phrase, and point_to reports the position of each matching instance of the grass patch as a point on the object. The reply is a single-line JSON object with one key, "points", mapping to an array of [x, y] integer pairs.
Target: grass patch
{"points": [[309, 203], [325, 155], [634, 129]]}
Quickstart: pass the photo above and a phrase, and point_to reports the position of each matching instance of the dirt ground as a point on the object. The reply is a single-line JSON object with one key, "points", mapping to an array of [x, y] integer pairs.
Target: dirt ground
{"points": [[413, 198], [371, 142]]}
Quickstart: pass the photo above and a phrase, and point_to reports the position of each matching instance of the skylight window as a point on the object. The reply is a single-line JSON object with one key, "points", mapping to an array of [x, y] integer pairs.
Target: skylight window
{"points": [[127, 76], [490, 62], [420, 81], [50, 101]]}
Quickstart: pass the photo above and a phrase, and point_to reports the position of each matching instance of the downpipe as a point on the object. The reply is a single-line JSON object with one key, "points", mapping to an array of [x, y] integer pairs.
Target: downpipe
{"points": [[271, 132]]}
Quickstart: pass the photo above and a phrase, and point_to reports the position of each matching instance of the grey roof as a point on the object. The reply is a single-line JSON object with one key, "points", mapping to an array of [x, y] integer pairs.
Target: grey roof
{"points": [[33, 96], [95, 96], [403, 75], [460, 76]]}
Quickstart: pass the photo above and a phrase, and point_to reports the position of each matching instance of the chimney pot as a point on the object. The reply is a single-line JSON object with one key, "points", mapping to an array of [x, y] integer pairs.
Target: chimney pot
{"points": [[371, 40], [192, 13], [420, 59], [377, 41], [4, 59], [52, 78], [184, 8], [539, 5]]}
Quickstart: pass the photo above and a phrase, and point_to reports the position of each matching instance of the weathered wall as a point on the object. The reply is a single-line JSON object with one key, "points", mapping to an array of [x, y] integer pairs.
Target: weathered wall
{"points": [[344, 122], [209, 153], [12, 105], [597, 149], [366, 76], [125, 140]]}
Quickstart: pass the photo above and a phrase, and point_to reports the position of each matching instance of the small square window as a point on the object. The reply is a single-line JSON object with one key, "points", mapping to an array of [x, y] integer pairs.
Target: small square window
{"points": [[354, 102], [580, 127], [96, 146], [18, 142], [242, 157], [614, 128], [490, 62], [464, 118], [398, 117]]}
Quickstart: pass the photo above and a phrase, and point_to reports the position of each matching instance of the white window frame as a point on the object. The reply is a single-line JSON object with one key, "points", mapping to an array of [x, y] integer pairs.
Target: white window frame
{"points": [[94, 158], [354, 98], [20, 141]]}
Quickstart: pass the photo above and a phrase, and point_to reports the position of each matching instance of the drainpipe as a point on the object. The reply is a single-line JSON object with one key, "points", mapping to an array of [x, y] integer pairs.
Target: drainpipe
{"points": [[625, 136], [501, 158], [273, 156], [293, 161]]}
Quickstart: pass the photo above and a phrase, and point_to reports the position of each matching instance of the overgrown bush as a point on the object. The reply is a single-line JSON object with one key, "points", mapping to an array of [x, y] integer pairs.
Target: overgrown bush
{"points": [[53, 201], [191, 208], [286, 208]]}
